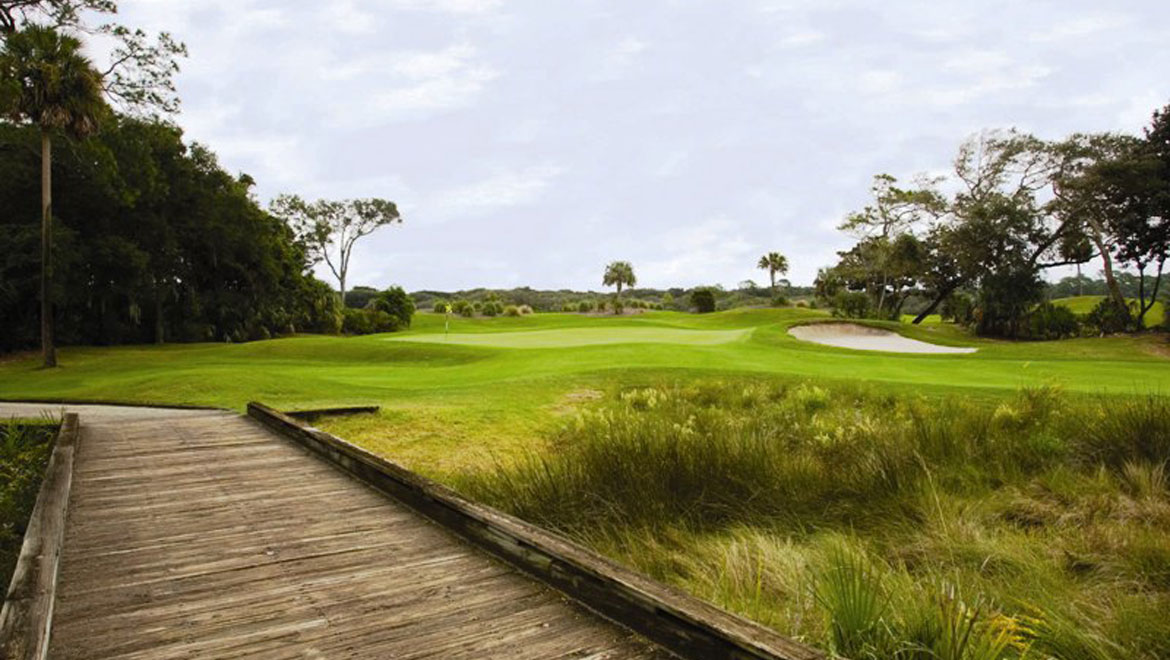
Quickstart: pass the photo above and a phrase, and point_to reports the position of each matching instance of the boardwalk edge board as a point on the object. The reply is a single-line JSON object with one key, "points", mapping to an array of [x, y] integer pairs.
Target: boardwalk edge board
{"points": [[315, 413], [27, 617], [679, 622]]}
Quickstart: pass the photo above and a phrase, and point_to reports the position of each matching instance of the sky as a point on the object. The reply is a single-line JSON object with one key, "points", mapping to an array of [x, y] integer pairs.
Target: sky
{"points": [[530, 142]]}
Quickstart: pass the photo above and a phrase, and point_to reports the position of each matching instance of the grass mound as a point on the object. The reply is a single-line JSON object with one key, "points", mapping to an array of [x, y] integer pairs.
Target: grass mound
{"points": [[875, 525]]}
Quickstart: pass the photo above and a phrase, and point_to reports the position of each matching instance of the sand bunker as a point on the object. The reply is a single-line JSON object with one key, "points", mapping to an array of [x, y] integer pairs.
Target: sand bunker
{"points": [[863, 338]]}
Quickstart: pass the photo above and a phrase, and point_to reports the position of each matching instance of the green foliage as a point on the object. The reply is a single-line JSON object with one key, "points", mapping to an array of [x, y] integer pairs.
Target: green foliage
{"points": [[24, 454], [153, 240], [1109, 317], [1050, 321], [368, 321], [703, 300], [585, 306], [440, 306], [397, 303], [1006, 299], [851, 304], [511, 310]]}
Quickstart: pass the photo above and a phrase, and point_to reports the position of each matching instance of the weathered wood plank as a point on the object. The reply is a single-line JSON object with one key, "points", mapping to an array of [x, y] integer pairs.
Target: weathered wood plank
{"points": [[207, 536], [27, 616], [682, 623]]}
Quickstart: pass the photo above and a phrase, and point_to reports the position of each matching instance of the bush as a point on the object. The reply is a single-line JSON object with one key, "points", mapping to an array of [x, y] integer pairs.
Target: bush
{"points": [[667, 300], [703, 300], [1109, 317], [568, 307], [780, 301], [356, 322], [525, 310], [803, 304], [585, 306], [601, 305], [851, 304], [960, 308], [368, 321], [395, 302], [618, 306], [462, 308], [441, 307], [511, 310], [489, 309], [1050, 321]]}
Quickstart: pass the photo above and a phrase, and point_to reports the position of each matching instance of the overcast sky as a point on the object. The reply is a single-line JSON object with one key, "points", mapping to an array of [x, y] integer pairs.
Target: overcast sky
{"points": [[531, 142]]}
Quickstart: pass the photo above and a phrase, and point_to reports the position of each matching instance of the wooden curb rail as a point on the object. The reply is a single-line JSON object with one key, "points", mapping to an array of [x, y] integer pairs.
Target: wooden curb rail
{"points": [[27, 616], [681, 623]]}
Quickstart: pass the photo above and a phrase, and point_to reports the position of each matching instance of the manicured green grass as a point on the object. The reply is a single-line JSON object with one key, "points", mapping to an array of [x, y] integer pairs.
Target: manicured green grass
{"points": [[780, 461], [568, 337], [1082, 305], [446, 406]]}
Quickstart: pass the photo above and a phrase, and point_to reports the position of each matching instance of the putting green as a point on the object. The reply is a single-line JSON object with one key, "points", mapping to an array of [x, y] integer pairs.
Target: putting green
{"points": [[569, 337]]}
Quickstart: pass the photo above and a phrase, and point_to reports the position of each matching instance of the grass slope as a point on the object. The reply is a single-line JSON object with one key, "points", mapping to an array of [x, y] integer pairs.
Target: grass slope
{"points": [[1082, 305]]}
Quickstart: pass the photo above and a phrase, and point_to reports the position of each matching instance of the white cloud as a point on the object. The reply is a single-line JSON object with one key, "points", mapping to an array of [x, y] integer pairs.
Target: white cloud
{"points": [[502, 190], [450, 6]]}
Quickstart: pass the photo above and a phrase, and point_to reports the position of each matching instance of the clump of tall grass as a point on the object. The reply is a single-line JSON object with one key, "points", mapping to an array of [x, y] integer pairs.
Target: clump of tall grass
{"points": [[877, 526], [24, 453]]}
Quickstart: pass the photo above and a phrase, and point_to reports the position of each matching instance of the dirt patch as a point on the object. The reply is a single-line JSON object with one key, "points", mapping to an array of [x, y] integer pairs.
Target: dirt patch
{"points": [[573, 400]]}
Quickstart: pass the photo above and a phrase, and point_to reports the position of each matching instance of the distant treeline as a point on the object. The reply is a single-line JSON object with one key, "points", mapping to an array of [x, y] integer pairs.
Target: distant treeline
{"points": [[154, 241], [676, 298]]}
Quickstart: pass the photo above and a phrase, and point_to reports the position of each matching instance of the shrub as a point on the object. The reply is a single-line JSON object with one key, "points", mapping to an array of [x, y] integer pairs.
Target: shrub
{"points": [[462, 308], [803, 304], [1050, 321], [568, 307], [356, 322], [618, 306], [960, 308], [780, 301], [703, 300], [368, 321], [667, 300], [601, 305], [395, 302], [585, 306], [511, 310], [1109, 317], [489, 308], [525, 310], [851, 304], [441, 307]]}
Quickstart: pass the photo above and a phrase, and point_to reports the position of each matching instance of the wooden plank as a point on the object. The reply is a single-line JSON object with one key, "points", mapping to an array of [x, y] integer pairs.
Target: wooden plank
{"points": [[211, 537], [27, 616], [686, 625]]}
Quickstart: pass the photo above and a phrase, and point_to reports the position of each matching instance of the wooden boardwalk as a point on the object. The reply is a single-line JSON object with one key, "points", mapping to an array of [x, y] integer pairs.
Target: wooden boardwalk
{"points": [[201, 534]]}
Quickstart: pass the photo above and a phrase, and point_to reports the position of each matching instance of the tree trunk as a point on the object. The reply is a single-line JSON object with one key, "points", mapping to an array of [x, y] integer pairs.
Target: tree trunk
{"points": [[158, 317], [47, 347], [617, 299], [934, 305], [341, 282], [1097, 236]]}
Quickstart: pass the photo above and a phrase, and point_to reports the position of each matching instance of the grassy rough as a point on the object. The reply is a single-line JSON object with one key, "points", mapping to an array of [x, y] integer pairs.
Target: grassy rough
{"points": [[24, 453], [877, 525]]}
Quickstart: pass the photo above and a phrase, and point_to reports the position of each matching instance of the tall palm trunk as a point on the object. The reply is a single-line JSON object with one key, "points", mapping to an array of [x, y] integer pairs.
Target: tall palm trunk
{"points": [[47, 347]]}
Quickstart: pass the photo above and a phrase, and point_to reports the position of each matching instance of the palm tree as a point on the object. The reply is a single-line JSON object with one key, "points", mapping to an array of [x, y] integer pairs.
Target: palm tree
{"points": [[619, 273], [50, 84], [773, 262]]}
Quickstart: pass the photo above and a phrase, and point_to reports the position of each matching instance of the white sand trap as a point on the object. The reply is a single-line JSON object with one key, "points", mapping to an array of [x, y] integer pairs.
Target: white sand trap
{"points": [[864, 338]]}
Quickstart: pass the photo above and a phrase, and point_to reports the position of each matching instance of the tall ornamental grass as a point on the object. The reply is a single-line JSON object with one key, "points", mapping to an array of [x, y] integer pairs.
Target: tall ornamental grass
{"points": [[876, 525]]}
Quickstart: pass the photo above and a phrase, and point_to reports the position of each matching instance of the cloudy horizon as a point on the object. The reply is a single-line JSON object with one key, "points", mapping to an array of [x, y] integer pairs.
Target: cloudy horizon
{"points": [[529, 143]]}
